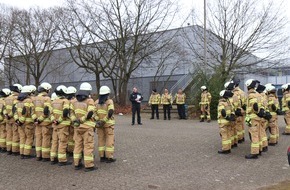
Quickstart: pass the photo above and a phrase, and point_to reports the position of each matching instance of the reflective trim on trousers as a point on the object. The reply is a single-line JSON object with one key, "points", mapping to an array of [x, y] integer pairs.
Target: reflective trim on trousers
{"points": [[110, 149], [101, 148], [264, 139], [45, 149], [8, 143], [61, 155], [21, 145], [15, 144], [88, 158], [52, 154], [272, 136], [2, 140], [255, 145], [77, 156], [71, 143], [38, 148], [226, 142], [27, 147]]}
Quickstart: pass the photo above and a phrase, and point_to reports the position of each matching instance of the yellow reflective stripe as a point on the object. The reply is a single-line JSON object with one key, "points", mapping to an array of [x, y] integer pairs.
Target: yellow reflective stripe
{"points": [[52, 154], [90, 123], [9, 107], [46, 104], [56, 111], [8, 143], [15, 144], [222, 121], [80, 111], [110, 149], [61, 155], [38, 148], [66, 106], [226, 142], [39, 109], [264, 139], [77, 156], [101, 111], [101, 148], [2, 140], [45, 149], [71, 143], [91, 108], [29, 120], [65, 122], [111, 106], [287, 126], [110, 122], [255, 145], [28, 147], [21, 145], [27, 104], [88, 158]]}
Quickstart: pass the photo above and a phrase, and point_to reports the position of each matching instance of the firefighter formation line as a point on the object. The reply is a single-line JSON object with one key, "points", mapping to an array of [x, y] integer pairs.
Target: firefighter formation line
{"points": [[60, 124]]}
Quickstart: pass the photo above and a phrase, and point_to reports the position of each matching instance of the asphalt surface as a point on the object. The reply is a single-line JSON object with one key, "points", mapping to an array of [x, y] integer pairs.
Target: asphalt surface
{"points": [[176, 154]]}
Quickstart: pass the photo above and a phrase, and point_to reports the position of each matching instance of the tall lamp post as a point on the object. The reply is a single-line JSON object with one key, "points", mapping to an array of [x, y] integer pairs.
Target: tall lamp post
{"points": [[204, 33]]}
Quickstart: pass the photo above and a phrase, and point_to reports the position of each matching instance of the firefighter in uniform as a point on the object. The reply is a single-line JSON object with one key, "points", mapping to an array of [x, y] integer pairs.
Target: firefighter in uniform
{"points": [[60, 125], [71, 93], [105, 125], [12, 136], [205, 104], [240, 113], [43, 130], [286, 107], [23, 119], [234, 101], [225, 118], [273, 106], [166, 101], [252, 118], [180, 102], [82, 117], [261, 89], [154, 102], [5, 92]]}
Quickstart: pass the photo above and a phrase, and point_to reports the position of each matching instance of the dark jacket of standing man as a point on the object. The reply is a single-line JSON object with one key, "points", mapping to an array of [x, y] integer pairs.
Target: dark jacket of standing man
{"points": [[136, 99]]}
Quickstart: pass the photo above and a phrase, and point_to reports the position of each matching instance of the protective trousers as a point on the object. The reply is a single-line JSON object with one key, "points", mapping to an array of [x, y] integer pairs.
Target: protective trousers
{"points": [[166, 110], [46, 141], [274, 130], [287, 121], [154, 108], [263, 134], [59, 143], [225, 135], [84, 141], [15, 139], [3, 136], [240, 127], [106, 139], [38, 140], [233, 132], [9, 136], [205, 111], [26, 133], [254, 136], [71, 143]]}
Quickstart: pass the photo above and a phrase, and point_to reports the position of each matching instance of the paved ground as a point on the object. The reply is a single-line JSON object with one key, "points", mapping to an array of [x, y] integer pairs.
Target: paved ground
{"points": [[176, 154]]}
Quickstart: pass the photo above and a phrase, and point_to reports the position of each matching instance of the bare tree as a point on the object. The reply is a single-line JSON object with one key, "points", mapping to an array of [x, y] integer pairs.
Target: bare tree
{"points": [[34, 39], [239, 32], [129, 32]]}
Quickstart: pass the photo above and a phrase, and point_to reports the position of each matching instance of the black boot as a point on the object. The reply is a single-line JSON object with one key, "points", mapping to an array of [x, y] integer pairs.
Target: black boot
{"points": [[224, 151], [45, 159], [202, 120], [110, 160], [21, 156], [285, 133], [27, 157], [78, 167], [103, 159], [54, 162], [235, 145], [90, 169], [38, 158], [3, 150], [64, 163], [251, 156], [9, 152], [265, 149], [15, 153], [272, 144]]}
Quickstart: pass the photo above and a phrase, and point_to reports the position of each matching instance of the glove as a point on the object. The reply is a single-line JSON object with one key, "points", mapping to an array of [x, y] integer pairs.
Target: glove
{"points": [[248, 121], [46, 111], [14, 109], [268, 115], [261, 113], [255, 107], [223, 113], [7, 116], [65, 113], [37, 121], [238, 112], [23, 111], [110, 113], [90, 115], [18, 123], [206, 107], [244, 107], [76, 123], [100, 123], [279, 112], [230, 118], [274, 108]]}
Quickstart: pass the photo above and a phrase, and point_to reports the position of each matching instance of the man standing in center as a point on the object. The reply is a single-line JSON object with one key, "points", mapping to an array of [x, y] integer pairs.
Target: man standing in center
{"points": [[154, 101], [205, 104], [136, 99], [166, 101], [180, 101]]}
